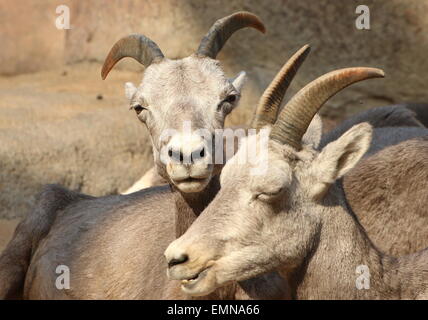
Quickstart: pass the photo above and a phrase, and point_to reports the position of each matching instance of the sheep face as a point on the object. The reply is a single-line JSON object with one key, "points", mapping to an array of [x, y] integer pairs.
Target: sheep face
{"points": [[183, 103]]}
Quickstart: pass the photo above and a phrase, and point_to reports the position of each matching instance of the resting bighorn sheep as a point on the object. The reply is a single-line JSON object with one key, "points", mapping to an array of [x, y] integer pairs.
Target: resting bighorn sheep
{"points": [[294, 219]]}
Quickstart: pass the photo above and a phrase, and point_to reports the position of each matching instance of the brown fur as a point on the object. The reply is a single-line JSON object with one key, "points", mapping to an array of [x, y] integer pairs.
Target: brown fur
{"points": [[16, 258]]}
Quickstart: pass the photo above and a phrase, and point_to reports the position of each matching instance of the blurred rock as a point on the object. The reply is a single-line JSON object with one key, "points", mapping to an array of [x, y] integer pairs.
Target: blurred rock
{"points": [[30, 40]]}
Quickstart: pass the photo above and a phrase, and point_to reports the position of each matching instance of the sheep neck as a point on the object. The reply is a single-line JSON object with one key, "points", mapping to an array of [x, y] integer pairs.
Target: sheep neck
{"points": [[330, 270], [188, 206]]}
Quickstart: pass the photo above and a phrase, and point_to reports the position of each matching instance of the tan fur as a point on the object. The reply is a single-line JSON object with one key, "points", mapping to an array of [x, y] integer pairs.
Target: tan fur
{"points": [[388, 192], [181, 97]]}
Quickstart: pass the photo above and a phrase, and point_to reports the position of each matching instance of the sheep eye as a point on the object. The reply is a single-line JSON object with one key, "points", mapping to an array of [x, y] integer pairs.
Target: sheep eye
{"points": [[138, 108], [230, 99]]}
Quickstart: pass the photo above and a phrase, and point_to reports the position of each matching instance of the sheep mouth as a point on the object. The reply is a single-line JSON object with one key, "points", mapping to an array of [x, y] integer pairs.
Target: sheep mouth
{"points": [[190, 179], [192, 184], [191, 282], [193, 178]]}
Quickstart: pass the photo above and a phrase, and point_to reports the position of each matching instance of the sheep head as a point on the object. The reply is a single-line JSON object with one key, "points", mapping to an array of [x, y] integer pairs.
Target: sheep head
{"points": [[183, 102]]}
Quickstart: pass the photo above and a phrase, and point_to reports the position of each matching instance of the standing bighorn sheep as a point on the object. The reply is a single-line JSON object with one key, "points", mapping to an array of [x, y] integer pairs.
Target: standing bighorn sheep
{"points": [[294, 219]]}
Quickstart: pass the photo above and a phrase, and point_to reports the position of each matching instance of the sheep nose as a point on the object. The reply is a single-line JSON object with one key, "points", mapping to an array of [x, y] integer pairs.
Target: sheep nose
{"points": [[194, 156], [176, 155], [175, 261]]}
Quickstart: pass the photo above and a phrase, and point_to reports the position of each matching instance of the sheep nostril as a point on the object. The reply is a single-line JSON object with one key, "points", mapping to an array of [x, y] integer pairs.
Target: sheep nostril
{"points": [[175, 261], [198, 154], [176, 155]]}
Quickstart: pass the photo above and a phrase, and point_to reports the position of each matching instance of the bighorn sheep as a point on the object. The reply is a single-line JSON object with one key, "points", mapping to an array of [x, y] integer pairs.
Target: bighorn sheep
{"points": [[294, 219]]}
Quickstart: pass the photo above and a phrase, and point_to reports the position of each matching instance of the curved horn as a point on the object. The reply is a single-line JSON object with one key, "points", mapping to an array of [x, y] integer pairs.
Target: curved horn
{"points": [[298, 112], [136, 46], [269, 103], [222, 29]]}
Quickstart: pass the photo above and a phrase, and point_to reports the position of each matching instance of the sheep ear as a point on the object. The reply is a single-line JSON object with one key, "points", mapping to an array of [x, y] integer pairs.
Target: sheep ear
{"points": [[338, 157], [239, 81], [312, 136], [130, 90]]}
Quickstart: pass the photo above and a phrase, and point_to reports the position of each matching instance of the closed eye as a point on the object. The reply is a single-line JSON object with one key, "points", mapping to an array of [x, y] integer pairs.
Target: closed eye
{"points": [[266, 196]]}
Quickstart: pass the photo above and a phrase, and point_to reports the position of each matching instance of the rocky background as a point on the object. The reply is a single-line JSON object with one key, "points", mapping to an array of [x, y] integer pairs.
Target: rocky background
{"points": [[60, 123]]}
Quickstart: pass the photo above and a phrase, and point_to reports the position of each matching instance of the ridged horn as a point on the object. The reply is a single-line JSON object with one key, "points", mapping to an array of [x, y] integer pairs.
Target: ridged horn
{"points": [[222, 29], [267, 109], [135, 46], [297, 114]]}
